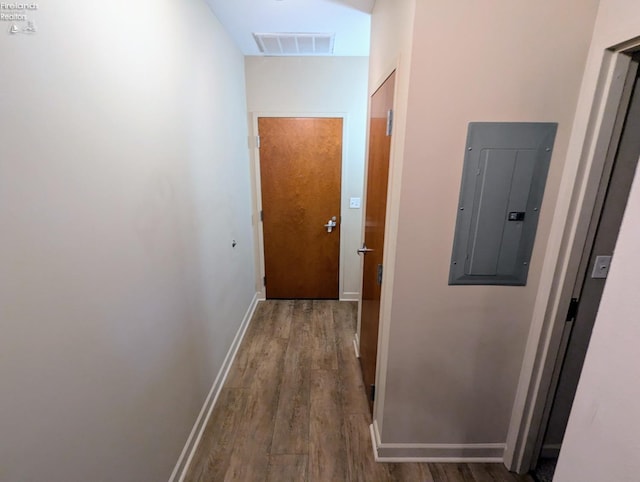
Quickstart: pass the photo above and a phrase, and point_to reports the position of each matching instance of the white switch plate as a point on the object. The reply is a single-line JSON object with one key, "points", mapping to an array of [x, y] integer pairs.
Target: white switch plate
{"points": [[354, 203], [601, 267]]}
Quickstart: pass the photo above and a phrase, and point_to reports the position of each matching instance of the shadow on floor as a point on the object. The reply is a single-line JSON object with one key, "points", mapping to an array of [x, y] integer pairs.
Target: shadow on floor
{"points": [[544, 470]]}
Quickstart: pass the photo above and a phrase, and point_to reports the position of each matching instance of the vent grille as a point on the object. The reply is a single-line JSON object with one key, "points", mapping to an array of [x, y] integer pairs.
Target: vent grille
{"points": [[295, 43]]}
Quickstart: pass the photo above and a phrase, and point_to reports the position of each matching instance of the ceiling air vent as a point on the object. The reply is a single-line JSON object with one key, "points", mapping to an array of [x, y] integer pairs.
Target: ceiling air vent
{"points": [[295, 43]]}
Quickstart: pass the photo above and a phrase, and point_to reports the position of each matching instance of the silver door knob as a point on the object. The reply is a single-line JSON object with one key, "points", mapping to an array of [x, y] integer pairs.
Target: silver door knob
{"points": [[331, 224], [364, 249]]}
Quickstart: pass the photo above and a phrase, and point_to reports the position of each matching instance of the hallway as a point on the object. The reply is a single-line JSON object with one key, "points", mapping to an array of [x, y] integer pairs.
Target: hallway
{"points": [[293, 408]]}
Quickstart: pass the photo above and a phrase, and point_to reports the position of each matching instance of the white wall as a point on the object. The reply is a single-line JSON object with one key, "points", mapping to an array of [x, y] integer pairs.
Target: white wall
{"points": [[392, 24], [124, 176], [454, 352], [601, 438], [322, 85]]}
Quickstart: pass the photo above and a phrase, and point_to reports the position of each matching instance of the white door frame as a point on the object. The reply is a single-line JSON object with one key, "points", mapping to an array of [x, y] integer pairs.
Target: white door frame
{"points": [[257, 192], [562, 266]]}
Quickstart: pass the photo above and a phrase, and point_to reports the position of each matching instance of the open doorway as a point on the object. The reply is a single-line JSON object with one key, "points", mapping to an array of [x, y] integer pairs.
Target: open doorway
{"points": [[612, 197], [608, 165]]}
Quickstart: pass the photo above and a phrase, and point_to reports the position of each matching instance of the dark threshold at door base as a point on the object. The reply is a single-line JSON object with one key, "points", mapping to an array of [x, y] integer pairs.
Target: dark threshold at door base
{"points": [[544, 470]]}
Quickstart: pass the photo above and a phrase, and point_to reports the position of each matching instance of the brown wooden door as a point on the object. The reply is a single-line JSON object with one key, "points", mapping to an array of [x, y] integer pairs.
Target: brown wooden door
{"points": [[375, 212], [300, 176]]}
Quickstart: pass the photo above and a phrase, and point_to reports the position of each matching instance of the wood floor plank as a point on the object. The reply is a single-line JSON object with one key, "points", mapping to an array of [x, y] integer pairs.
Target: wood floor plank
{"points": [[291, 432], [488, 473], [268, 374], [344, 320], [211, 459], [327, 461], [323, 337], [352, 392], [451, 473], [248, 357], [287, 468], [361, 465], [250, 457], [351, 387], [494, 473], [282, 316], [344, 317], [254, 470], [410, 472]]}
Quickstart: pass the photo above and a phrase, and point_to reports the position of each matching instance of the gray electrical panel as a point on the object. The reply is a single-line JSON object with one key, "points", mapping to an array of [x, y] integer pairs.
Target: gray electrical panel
{"points": [[503, 180]]}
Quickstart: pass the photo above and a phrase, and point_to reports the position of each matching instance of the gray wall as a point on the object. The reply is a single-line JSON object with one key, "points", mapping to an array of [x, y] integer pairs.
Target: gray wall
{"points": [[124, 176]]}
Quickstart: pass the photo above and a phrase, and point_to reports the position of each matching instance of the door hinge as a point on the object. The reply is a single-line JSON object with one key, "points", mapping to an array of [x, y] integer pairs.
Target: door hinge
{"points": [[258, 142], [261, 215], [389, 122], [379, 280], [264, 281], [372, 393], [573, 309]]}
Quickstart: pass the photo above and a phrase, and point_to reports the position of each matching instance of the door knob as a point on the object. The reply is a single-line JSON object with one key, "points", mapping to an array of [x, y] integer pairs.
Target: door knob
{"points": [[331, 224], [364, 249]]}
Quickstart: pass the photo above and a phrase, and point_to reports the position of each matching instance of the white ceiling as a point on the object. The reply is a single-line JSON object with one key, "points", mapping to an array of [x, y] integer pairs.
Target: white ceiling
{"points": [[348, 19]]}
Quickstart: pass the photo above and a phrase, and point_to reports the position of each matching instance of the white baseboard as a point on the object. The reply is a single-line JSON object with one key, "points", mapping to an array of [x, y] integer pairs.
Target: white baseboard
{"points": [[356, 345], [180, 469], [551, 451], [350, 296], [434, 453]]}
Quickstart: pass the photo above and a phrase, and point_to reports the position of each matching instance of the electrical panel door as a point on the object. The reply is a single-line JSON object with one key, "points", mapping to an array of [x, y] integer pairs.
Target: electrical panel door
{"points": [[503, 181]]}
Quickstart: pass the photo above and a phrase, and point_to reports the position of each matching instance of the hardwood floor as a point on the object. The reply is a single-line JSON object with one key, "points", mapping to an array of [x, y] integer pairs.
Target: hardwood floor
{"points": [[293, 408]]}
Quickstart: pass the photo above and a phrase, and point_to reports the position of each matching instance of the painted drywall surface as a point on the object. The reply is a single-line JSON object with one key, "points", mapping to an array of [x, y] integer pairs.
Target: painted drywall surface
{"points": [[455, 352], [322, 85], [391, 36], [601, 438], [124, 176]]}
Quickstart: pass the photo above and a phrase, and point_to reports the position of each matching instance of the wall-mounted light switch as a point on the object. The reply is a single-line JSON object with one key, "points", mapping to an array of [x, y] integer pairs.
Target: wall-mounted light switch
{"points": [[354, 203]]}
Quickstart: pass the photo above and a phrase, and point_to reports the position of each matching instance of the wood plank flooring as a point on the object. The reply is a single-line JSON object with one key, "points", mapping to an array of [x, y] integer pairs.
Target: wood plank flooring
{"points": [[293, 408]]}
